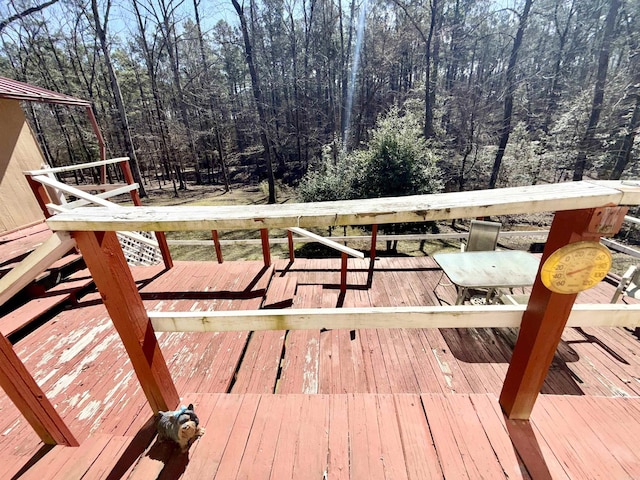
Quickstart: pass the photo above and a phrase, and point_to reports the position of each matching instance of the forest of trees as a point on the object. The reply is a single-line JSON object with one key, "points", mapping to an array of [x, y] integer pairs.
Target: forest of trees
{"points": [[510, 92]]}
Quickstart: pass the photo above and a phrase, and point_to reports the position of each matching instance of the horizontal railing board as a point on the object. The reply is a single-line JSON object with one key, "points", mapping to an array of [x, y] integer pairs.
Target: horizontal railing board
{"points": [[71, 168], [419, 208], [327, 242], [613, 245], [460, 316], [367, 238]]}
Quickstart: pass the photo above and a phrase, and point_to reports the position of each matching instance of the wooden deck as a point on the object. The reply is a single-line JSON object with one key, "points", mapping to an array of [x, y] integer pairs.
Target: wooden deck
{"points": [[372, 436], [383, 403]]}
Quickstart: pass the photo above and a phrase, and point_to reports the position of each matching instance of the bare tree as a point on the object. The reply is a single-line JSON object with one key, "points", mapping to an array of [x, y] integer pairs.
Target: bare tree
{"points": [[207, 82], [101, 33], [165, 138], [257, 94], [508, 98], [598, 92], [24, 13]]}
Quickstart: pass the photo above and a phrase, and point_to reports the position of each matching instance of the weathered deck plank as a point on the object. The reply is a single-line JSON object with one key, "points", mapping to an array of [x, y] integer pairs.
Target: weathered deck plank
{"points": [[78, 358]]}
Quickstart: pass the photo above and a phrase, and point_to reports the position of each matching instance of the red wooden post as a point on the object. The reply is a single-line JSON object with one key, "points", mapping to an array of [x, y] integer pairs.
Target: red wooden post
{"points": [[135, 197], [374, 239], [27, 396], [161, 238], [104, 258], [266, 252], [547, 312], [128, 177], [343, 273], [216, 244], [292, 254], [41, 195], [96, 130]]}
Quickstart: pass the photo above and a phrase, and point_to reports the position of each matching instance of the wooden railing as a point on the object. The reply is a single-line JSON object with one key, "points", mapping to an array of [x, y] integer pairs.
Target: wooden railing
{"points": [[50, 194], [584, 211]]}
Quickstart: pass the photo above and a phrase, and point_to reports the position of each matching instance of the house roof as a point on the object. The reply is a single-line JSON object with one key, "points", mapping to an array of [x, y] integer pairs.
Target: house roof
{"points": [[16, 90]]}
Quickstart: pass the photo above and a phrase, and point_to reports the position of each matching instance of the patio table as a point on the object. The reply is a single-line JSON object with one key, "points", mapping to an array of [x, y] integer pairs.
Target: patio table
{"points": [[488, 269]]}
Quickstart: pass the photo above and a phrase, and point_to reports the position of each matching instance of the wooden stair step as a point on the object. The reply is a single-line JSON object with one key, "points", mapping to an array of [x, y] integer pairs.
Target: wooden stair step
{"points": [[74, 284], [280, 292], [67, 265], [30, 312]]}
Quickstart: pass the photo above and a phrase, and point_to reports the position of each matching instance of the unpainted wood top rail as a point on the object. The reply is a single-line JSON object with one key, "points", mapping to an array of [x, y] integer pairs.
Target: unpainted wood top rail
{"points": [[80, 166], [417, 208]]}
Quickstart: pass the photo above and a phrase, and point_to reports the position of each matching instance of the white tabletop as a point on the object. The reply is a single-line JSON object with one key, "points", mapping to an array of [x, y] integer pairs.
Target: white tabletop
{"points": [[492, 269]]}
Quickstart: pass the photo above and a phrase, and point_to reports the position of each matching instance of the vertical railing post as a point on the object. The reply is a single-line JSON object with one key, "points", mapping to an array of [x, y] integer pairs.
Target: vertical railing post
{"points": [[40, 192], [547, 312], [135, 198], [104, 258], [216, 245], [374, 239], [292, 254], [343, 273], [266, 251]]}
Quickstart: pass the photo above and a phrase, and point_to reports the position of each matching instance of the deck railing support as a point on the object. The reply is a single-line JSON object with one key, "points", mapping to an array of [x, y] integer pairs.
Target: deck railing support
{"points": [[29, 398], [104, 258], [343, 273], [292, 253], [374, 239], [216, 245], [135, 198], [547, 312], [266, 251]]}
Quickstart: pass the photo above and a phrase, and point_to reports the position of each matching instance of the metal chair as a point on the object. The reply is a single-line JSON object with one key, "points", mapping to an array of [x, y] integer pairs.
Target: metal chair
{"points": [[629, 284], [483, 236]]}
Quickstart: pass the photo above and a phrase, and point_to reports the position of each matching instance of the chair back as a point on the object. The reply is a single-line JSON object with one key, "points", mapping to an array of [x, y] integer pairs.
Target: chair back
{"points": [[629, 284], [483, 236], [633, 288]]}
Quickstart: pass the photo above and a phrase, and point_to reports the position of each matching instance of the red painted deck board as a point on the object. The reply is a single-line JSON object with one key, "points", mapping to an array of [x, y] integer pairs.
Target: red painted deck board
{"points": [[373, 436], [79, 359], [258, 372], [281, 292], [30, 312]]}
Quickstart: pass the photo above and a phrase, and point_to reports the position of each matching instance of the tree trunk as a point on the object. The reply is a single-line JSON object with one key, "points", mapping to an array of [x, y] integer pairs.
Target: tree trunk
{"points": [[159, 109], [508, 99], [625, 145], [429, 83], [257, 95], [598, 94], [554, 90], [101, 33], [212, 101], [168, 31]]}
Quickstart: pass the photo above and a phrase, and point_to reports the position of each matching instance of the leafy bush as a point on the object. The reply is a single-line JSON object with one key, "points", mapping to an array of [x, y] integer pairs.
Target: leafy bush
{"points": [[396, 162], [332, 180]]}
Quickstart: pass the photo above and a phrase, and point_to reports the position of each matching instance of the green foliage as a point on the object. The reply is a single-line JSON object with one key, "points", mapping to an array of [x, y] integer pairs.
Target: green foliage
{"points": [[396, 162], [523, 162], [332, 180]]}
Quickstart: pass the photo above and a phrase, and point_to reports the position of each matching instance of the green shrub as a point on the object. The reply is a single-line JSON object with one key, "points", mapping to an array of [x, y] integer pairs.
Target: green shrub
{"points": [[396, 162]]}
